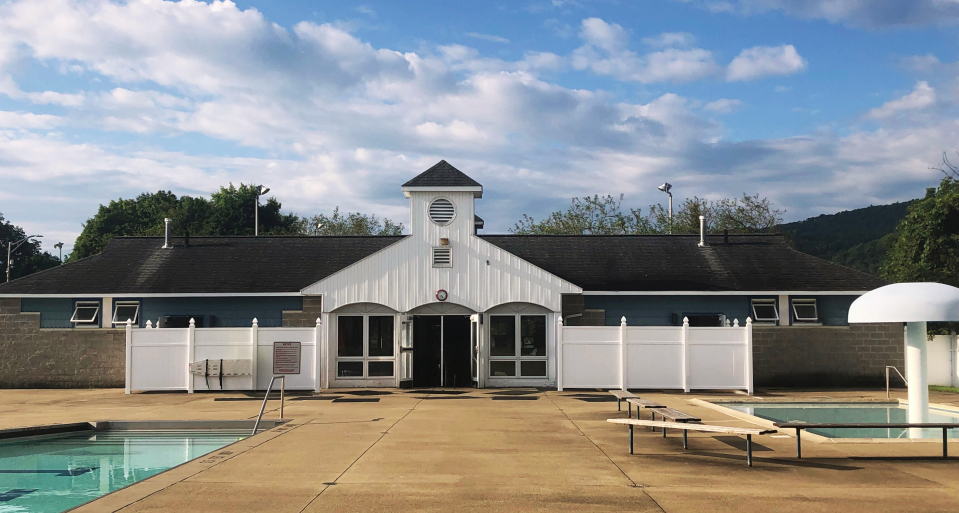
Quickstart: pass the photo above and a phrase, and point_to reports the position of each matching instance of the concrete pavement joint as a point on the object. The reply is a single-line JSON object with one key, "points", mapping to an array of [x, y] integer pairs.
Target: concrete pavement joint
{"points": [[347, 469]]}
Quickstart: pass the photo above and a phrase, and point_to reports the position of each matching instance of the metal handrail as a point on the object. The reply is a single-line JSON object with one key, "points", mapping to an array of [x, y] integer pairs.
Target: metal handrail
{"points": [[267, 398], [887, 378]]}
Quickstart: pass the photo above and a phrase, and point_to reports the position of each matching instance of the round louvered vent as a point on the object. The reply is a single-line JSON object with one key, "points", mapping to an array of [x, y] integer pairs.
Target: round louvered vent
{"points": [[442, 211]]}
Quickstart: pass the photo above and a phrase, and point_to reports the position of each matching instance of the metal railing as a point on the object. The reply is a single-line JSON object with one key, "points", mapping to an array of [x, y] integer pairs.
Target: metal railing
{"points": [[267, 398], [887, 378]]}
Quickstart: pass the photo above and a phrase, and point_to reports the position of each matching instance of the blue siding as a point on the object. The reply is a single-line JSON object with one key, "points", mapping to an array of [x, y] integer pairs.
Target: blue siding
{"points": [[54, 312], [658, 310], [229, 311]]}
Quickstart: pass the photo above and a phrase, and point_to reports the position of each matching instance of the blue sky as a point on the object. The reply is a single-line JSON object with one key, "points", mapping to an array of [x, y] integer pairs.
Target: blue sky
{"points": [[820, 105]]}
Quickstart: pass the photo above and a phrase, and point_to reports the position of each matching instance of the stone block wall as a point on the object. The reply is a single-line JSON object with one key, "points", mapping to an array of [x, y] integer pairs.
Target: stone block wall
{"points": [[31, 357], [305, 318], [826, 356]]}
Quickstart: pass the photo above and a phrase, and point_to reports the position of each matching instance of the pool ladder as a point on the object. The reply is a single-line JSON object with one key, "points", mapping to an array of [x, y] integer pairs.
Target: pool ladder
{"points": [[267, 398], [887, 379]]}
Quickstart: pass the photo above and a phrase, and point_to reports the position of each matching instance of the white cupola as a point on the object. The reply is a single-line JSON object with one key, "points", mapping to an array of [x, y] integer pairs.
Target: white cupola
{"points": [[442, 205]]}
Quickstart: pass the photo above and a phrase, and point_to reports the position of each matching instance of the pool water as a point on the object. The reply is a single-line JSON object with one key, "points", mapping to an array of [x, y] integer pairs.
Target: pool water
{"points": [[58, 472], [847, 413]]}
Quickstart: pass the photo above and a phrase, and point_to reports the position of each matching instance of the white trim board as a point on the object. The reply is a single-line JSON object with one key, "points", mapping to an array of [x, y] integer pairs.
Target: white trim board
{"points": [[160, 294], [724, 293]]}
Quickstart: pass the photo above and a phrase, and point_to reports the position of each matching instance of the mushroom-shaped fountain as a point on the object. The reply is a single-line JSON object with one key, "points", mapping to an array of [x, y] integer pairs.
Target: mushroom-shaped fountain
{"points": [[914, 304]]}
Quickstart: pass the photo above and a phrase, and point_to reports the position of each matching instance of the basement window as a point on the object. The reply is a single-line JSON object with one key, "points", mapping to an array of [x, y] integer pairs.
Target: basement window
{"points": [[804, 310], [126, 310], [86, 314], [443, 256], [764, 310]]}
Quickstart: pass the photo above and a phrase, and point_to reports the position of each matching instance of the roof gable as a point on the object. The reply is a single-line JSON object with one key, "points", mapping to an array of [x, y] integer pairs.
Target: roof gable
{"points": [[442, 174]]}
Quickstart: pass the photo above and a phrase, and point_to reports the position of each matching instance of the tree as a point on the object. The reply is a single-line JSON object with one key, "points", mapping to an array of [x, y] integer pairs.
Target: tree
{"points": [[352, 223], [27, 259], [928, 244], [604, 215], [587, 216], [229, 211]]}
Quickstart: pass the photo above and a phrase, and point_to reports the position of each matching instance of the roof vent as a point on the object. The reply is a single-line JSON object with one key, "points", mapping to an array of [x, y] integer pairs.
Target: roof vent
{"points": [[443, 256], [442, 211]]}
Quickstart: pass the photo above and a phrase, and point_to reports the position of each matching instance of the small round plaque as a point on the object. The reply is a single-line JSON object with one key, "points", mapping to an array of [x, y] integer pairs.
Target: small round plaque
{"points": [[441, 295]]}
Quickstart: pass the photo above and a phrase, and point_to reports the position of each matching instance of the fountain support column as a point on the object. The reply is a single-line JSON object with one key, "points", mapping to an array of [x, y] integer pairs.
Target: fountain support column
{"points": [[917, 372]]}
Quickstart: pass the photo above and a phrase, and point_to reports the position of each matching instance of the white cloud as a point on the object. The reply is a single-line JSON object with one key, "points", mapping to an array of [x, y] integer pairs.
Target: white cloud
{"points": [[764, 61], [724, 105], [605, 52], [338, 121], [487, 37], [669, 39], [922, 96]]}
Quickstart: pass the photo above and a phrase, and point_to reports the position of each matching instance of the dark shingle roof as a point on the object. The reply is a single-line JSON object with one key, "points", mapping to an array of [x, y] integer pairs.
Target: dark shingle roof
{"points": [[442, 175], [139, 265], [675, 262]]}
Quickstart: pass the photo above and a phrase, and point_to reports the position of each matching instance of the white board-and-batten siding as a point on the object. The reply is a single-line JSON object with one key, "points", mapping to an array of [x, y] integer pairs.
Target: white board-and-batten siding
{"points": [[402, 275]]}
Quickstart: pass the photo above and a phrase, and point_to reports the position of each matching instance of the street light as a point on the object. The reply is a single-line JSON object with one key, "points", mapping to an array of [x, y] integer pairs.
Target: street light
{"points": [[59, 246], [11, 248], [260, 190], [666, 187]]}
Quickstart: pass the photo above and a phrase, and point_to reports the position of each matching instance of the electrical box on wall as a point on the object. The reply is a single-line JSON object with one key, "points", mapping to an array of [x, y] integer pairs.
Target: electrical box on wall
{"points": [[222, 367]]}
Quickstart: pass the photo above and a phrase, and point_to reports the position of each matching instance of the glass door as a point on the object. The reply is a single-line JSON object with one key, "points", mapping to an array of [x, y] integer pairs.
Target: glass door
{"points": [[406, 354], [474, 347]]}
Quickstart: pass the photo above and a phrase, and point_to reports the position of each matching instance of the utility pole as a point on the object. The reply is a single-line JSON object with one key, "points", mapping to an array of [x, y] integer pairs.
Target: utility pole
{"points": [[666, 187], [59, 246], [260, 190]]}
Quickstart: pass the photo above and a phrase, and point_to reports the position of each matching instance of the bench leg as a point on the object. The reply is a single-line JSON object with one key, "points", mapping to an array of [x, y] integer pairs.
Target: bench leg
{"points": [[652, 416], [749, 450], [945, 444], [637, 412], [629, 409], [619, 406], [685, 441], [630, 438], [798, 445], [664, 432]]}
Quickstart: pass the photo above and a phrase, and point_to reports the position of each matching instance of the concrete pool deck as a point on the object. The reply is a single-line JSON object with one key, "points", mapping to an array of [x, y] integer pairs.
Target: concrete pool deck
{"points": [[499, 450]]}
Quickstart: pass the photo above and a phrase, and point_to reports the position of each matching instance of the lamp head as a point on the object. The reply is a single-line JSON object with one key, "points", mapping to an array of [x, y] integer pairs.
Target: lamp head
{"points": [[261, 190], [665, 187]]}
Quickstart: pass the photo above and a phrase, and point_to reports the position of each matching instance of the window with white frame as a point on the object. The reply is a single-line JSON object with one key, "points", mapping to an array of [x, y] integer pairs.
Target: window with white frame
{"points": [[764, 310], [804, 310], [126, 310], [364, 346], [86, 314], [517, 346]]}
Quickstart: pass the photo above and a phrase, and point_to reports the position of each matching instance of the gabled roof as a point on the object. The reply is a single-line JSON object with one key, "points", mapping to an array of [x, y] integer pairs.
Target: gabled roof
{"points": [[442, 174], [676, 263], [209, 265]]}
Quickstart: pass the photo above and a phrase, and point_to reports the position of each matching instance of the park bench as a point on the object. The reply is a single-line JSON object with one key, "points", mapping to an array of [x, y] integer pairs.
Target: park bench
{"points": [[748, 432], [799, 426], [673, 416], [640, 403], [620, 396]]}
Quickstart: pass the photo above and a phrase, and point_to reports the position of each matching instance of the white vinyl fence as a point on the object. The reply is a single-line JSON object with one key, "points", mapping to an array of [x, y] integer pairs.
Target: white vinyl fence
{"points": [[160, 358], [942, 360], [656, 357]]}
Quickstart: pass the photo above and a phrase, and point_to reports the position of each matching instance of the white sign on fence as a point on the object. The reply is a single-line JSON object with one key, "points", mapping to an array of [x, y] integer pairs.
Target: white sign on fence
{"points": [[286, 358]]}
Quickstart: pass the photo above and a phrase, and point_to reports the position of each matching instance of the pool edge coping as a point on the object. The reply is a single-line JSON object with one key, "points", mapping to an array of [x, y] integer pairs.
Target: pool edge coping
{"points": [[812, 437]]}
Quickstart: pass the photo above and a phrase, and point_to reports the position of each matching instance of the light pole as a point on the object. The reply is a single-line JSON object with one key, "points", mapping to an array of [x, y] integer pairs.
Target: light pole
{"points": [[666, 187], [260, 190], [59, 246], [11, 248]]}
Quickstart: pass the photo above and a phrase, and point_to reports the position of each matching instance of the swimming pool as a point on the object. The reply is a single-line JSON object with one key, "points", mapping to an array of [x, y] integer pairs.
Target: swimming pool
{"points": [[847, 413], [54, 473]]}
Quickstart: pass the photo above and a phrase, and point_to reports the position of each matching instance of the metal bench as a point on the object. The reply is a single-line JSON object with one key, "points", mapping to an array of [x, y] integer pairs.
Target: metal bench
{"points": [[674, 416], [640, 403], [799, 426], [620, 396], [749, 432]]}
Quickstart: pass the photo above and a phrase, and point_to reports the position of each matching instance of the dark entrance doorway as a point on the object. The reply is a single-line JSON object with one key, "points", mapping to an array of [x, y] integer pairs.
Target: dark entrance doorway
{"points": [[441, 351]]}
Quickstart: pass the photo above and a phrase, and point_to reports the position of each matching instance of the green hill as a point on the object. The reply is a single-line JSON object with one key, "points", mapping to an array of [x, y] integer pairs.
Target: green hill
{"points": [[855, 238]]}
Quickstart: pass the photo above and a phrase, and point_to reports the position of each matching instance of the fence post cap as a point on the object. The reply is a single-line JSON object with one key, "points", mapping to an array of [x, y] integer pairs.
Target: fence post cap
{"points": [[149, 324], [735, 323], [623, 320], [192, 322], [318, 321], [559, 320], [255, 322], [685, 321], [749, 320], [129, 322]]}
